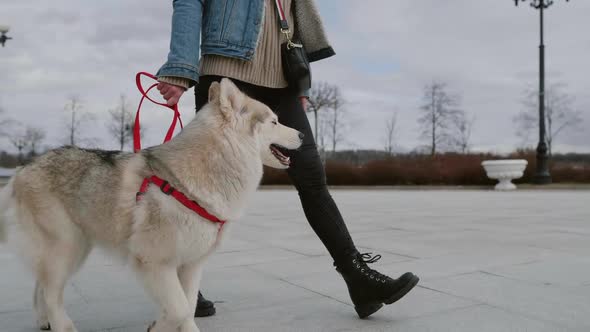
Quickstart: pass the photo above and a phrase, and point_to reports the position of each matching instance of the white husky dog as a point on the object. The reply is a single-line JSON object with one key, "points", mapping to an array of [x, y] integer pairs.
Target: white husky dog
{"points": [[70, 199]]}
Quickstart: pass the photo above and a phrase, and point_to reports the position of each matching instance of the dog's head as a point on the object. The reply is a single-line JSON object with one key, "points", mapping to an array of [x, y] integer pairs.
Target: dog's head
{"points": [[255, 119]]}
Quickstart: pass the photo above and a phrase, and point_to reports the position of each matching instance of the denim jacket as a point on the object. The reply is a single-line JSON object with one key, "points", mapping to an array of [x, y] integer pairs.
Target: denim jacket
{"points": [[231, 28]]}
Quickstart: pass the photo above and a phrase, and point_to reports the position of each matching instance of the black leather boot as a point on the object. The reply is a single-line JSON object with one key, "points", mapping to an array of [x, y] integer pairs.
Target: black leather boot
{"points": [[369, 289], [205, 308]]}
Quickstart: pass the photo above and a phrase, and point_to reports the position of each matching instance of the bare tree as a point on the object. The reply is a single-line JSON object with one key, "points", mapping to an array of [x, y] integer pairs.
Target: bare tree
{"points": [[33, 138], [463, 126], [121, 123], [559, 113], [76, 118], [336, 120], [25, 139], [18, 139], [323, 129], [439, 111], [323, 96], [390, 133]]}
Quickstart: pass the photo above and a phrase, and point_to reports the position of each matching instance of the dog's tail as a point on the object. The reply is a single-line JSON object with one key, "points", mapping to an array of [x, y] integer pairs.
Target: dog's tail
{"points": [[5, 199]]}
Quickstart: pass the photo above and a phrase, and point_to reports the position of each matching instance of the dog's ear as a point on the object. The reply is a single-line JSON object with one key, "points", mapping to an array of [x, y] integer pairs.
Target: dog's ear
{"points": [[258, 117], [214, 92], [231, 98]]}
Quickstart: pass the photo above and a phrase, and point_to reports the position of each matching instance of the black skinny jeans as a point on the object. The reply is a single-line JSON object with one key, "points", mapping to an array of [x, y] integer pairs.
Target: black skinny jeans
{"points": [[306, 170]]}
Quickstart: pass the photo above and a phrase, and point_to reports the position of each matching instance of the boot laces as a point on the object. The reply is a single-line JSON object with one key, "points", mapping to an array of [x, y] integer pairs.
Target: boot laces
{"points": [[361, 261], [367, 258]]}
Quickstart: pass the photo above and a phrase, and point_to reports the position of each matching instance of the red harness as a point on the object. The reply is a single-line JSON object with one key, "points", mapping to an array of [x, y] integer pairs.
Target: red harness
{"points": [[165, 187]]}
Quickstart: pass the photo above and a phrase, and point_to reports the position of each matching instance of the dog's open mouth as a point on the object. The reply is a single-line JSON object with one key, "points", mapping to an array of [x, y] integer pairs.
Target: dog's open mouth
{"points": [[274, 149]]}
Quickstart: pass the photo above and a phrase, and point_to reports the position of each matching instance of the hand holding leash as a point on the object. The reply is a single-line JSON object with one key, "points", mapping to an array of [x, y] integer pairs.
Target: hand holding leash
{"points": [[170, 92]]}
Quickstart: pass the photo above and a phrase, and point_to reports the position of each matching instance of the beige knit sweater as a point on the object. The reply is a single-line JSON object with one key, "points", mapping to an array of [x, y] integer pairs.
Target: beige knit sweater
{"points": [[265, 68]]}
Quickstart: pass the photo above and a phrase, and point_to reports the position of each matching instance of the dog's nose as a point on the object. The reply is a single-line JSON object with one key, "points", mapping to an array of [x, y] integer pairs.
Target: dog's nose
{"points": [[301, 135]]}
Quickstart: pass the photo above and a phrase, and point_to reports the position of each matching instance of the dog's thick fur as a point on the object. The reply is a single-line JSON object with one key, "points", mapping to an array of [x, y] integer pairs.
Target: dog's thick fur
{"points": [[71, 199]]}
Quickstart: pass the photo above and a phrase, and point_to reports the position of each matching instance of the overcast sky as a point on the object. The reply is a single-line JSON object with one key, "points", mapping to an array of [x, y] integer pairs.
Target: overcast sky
{"points": [[486, 50]]}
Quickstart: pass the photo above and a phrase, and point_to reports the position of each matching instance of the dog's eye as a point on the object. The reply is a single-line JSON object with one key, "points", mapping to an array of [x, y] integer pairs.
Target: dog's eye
{"points": [[274, 122]]}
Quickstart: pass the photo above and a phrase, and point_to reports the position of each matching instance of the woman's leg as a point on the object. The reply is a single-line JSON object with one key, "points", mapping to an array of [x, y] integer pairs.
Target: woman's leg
{"points": [[368, 289], [308, 176], [204, 308]]}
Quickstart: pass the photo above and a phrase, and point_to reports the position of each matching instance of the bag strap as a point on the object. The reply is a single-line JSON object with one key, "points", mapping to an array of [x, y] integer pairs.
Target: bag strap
{"points": [[285, 25], [282, 18]]}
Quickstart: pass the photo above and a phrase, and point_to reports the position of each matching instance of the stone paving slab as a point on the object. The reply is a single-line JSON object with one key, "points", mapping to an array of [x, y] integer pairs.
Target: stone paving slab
{"points": [[559, 305], [572, 271], [488, 261]]}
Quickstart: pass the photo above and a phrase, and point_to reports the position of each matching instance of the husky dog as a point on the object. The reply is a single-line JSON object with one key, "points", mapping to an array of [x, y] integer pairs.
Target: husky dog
{"points": [[70, 199]]}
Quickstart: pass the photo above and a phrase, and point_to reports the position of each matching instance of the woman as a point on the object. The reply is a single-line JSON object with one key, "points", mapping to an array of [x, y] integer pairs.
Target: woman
{"points": [[242, 40]]}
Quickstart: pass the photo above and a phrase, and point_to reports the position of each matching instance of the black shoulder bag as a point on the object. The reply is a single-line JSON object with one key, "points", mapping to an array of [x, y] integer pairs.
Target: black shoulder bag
{"points": [[294, 59]]}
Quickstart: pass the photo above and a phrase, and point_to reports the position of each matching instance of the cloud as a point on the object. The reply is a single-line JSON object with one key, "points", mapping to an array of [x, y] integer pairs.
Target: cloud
{"points": [[386, 52]]}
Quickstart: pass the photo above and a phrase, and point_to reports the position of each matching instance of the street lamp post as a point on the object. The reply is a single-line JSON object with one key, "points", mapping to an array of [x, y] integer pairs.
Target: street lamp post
{"points": [[3, 37], [542, 175]]}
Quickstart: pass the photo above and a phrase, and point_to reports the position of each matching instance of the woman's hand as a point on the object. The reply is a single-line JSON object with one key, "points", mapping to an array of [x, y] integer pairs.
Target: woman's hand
{"points": [[304, 101], [170, 92]]}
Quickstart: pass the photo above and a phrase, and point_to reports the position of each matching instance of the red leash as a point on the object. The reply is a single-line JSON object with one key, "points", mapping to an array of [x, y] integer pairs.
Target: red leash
{"points": [[165, 187], [144, 93]]}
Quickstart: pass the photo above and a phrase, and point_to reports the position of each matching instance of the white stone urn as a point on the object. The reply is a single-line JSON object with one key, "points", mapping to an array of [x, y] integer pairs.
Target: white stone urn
{"points": [[505, 171]]}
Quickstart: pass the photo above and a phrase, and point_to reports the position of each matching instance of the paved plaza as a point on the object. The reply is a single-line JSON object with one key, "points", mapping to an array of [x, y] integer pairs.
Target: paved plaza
{"points": [[488, 261]]}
